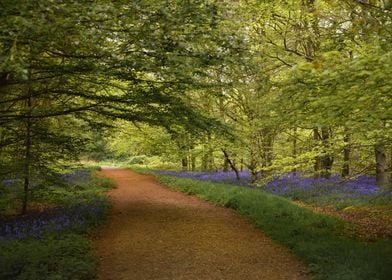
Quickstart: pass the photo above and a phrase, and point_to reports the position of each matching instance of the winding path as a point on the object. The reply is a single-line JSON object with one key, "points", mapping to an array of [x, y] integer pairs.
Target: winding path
{"points": [[153, 232]]}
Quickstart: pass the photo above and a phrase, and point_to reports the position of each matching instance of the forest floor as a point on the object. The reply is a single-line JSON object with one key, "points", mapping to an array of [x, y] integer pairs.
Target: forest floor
{"points": [[370, 223], [153, 232]]}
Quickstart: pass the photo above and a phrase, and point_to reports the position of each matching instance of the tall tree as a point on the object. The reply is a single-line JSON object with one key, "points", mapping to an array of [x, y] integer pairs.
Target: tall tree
{"points": [[129, 60]]}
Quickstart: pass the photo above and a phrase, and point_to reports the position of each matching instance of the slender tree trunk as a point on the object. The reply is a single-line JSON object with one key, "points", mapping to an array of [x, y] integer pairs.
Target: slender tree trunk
{"points": [[318, 160], [204, 162], [381, 166], [232, 165], [253, 168], [193, 162], [324, 162], [253, 175], [311, 45], [295, 149], [327, 159], [207, 163], [184, 163], [267, 146], [254, 154], [346, 154], [346, 139], [226, 165], [2, 141], [390, 159], [27, 156], [211, 162]]}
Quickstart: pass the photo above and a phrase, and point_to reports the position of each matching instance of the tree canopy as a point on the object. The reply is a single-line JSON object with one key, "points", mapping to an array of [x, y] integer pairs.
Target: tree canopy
{"points": [[270, 87]]}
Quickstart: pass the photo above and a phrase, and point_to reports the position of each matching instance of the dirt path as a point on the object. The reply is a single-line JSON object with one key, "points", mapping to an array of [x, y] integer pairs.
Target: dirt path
{"points": [[156, 233]]}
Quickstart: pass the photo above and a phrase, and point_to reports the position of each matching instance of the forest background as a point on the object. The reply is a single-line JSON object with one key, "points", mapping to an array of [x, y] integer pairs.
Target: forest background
{"points": [[259, 86]]}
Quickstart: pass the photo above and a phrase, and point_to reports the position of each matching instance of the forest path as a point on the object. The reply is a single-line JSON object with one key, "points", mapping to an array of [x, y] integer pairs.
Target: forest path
{"points": [[153, 232]]}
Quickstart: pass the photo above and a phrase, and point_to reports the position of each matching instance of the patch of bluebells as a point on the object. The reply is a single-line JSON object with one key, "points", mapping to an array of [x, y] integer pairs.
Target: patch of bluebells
{"points": [[10, 182], [293, 185], [296, 185], [76, 177], [218, 177], [56, 220]]}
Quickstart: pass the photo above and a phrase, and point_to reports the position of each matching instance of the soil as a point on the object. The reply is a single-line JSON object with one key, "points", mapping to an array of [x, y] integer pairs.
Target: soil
{"points": [[153, 232]]}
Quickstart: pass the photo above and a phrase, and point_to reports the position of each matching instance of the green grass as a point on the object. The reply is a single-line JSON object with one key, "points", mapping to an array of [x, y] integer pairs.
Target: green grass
{"points": [[322, 242], [73, 193], [64, 255], [330, 199]]}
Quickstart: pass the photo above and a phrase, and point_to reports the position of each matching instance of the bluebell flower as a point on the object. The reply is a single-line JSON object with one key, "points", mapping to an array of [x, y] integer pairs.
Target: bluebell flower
{"points": [[54, 220], [295, 184]]}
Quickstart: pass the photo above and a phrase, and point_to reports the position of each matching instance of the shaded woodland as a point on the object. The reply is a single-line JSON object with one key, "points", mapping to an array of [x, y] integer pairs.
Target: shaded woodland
{"points": [[268, 87]]}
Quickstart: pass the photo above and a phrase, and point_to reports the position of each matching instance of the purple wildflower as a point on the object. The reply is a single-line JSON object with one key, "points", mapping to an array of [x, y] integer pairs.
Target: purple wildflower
{"points": [[54, 220], [296, 185]]}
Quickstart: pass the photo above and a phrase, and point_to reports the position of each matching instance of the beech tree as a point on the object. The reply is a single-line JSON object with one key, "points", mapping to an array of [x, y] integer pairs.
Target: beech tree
{"points": [[299, 85], [307, 93], [85, 59]]}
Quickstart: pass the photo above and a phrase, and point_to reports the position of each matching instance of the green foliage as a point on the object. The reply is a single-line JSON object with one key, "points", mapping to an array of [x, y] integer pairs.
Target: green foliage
{"points": [[65, 254], [309, 91], [62, 257], [321, 241], [65, 65], [73, 194], [55, 192], [297, 84]]}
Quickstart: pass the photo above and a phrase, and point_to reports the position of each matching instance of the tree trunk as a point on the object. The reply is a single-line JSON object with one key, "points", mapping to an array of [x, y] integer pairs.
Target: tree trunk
{"points": [[226, 165], [193, 162], [267, 146], [318, 160], [327, 159], [311, 46], [390, 158], [253, 176], [211, 163], [252, 168], [324, 162], [232, 165], [295, 149], [382, 177], [184, 162], [27, 156], [207, 163], [346, 154], [2, 141], [204, 162]]}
